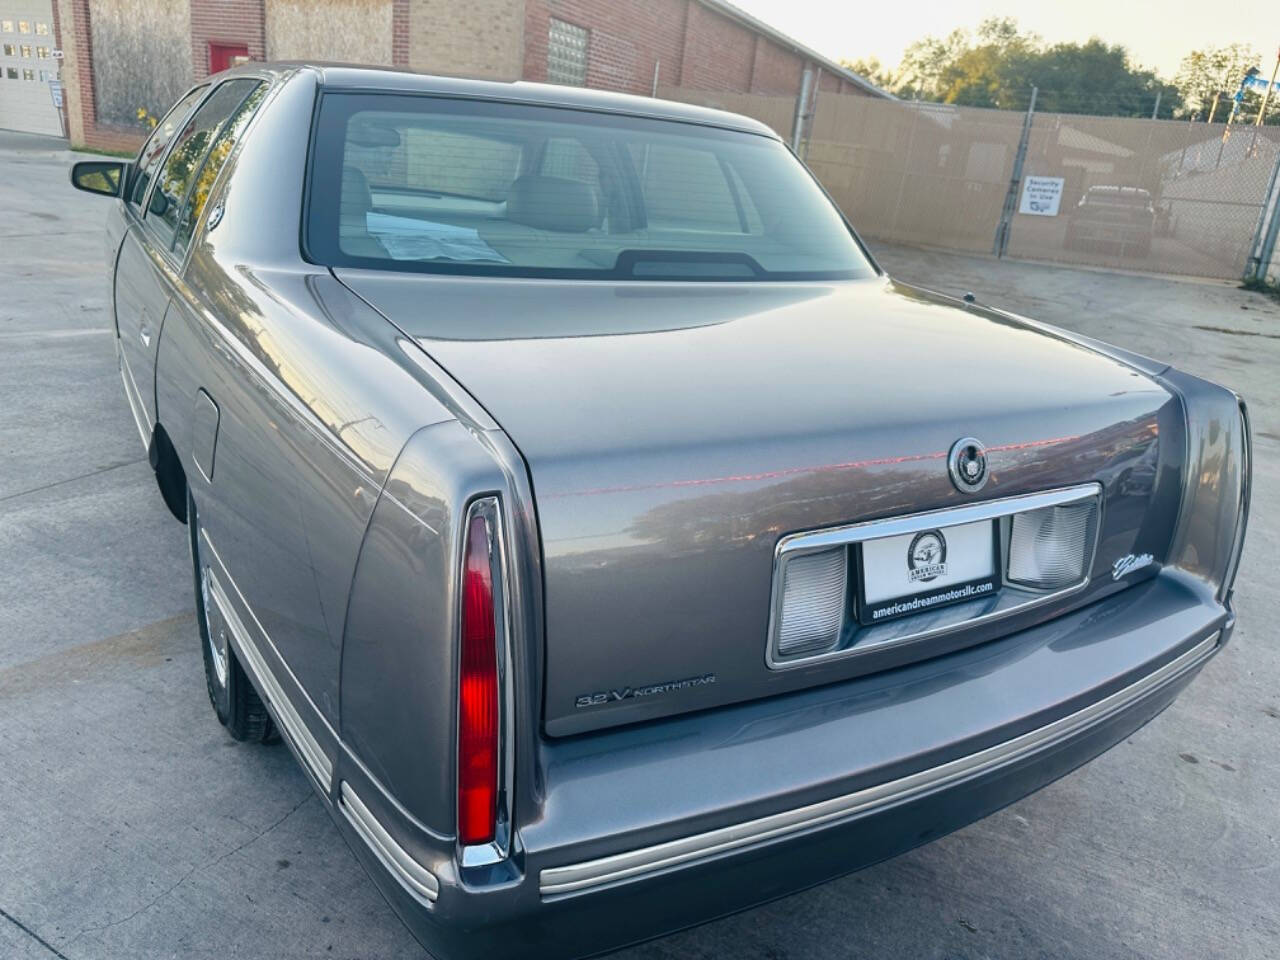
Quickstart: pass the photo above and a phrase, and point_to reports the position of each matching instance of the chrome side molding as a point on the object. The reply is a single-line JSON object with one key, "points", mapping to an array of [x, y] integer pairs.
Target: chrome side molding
{"points": [[318, 763], [632, 864], [419, 882]]}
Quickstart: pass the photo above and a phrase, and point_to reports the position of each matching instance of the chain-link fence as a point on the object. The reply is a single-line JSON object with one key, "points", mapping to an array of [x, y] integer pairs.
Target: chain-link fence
{"points": [[1165, 196]]}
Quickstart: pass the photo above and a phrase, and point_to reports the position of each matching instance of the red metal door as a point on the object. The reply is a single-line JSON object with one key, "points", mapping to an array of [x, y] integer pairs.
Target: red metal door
{"points": [[223, 56]]}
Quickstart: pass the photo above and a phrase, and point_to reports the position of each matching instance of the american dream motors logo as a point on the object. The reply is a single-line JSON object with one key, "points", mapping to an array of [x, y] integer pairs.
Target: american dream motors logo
{"points": [[927, 556]]}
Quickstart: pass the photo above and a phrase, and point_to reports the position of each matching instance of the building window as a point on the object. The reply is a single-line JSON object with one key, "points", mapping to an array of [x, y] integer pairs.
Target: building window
{"points": [[24, 26], [13, 73], [6, 26], [26, 50], [567, 54], [10, 50], [28, 75], [42, 53], [42, 29]]}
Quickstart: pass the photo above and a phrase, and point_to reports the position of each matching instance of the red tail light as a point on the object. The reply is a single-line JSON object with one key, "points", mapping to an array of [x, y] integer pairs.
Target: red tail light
{"points": [[477, 693]]}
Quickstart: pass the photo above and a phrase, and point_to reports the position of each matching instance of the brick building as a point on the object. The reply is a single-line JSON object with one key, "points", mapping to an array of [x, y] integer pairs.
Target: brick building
{"points": [[120, 57]]}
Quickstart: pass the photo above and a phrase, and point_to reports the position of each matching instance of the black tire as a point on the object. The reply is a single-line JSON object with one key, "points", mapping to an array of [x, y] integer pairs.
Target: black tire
{"points": [[236, 703]]}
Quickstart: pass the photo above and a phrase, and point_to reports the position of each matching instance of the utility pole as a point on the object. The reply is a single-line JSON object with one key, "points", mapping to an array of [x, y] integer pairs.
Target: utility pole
{"points": [[1001, 244], [1155, 111]]}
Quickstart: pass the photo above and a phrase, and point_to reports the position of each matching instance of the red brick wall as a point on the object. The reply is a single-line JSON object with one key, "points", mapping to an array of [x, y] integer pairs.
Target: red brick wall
{"points": [[626, 39], [718, 53], [233, 22], [777, 71], [400, 33], [695, 46], [77, 37]]}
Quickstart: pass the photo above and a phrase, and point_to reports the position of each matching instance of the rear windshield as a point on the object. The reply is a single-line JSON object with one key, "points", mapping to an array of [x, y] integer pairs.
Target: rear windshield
{"points": [[457, 186]]}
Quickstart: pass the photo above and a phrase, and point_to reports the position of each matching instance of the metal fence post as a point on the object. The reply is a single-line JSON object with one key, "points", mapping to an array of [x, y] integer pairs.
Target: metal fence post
{"points": [[1270, 216], [1011, 198], [1255, 267], [802, 102]]}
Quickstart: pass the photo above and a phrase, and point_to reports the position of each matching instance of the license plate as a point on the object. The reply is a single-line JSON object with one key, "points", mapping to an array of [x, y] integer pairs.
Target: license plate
{"points": [[918, 572]]}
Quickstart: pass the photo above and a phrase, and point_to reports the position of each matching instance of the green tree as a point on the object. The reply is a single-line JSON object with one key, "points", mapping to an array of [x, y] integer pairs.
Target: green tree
{"points": [[1209, 78], [998, 64]]}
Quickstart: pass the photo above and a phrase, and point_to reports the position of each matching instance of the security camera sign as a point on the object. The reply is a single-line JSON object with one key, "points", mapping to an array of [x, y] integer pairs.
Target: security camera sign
{"points": [[1041, 196]]}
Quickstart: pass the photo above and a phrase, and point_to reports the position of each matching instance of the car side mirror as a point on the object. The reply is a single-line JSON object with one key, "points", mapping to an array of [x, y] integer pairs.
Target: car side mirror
{"points": [[98, 176], [159, 202]]}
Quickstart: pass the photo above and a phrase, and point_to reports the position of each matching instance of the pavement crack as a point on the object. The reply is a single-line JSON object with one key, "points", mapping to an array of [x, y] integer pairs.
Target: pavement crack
{"points": [[32, 934], [83, 476], [190, 873]]}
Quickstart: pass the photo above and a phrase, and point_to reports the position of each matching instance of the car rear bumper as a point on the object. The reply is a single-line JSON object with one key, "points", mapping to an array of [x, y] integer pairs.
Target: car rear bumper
{"points": [[1112, 232], [744, 806]]}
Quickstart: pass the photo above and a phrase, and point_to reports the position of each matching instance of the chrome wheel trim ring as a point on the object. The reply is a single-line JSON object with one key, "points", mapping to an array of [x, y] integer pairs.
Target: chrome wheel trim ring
{"points": [[217, 642]]}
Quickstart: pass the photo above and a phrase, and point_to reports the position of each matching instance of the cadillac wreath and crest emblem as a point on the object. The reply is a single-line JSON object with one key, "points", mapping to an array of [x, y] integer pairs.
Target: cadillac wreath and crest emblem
{"points": [[967, 464]]}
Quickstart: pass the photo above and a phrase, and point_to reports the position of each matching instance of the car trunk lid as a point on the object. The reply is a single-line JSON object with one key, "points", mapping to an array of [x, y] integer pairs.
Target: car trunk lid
{"points": [[675, 432]]}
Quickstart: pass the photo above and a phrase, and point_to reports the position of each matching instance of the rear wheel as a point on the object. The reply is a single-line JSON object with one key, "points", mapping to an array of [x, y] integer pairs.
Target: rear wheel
{"points": [[237, 704]]}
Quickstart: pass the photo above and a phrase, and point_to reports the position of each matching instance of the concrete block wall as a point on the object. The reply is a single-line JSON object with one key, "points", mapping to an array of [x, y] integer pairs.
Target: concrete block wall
{"points": [[479, 38]]}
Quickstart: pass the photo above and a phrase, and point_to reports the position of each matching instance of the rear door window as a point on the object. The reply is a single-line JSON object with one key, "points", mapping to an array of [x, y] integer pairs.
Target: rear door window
{"points": [[153, 149], [190, 147]]}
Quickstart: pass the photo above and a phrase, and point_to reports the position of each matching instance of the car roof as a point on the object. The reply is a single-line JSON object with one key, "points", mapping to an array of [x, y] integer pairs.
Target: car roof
{"points": [[338, 76]]}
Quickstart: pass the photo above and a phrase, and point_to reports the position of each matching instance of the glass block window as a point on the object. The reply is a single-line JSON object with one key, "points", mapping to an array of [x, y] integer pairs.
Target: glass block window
{"points": [[567, 54]]}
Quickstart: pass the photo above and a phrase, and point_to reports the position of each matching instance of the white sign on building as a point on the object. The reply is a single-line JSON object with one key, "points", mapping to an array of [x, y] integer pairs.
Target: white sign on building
{"points": [[1041, 196]]}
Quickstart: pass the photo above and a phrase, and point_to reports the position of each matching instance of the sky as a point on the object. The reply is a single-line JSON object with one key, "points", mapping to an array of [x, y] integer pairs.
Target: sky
{"points": [[1158, 35]]}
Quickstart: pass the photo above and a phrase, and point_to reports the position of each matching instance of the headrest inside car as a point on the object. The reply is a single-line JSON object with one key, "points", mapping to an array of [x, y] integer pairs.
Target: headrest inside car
{"points": [[553, 203], [356, 199]]}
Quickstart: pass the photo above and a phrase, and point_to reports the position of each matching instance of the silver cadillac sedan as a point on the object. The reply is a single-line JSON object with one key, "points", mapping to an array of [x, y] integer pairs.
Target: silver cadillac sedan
{"points": [[613, 543]]}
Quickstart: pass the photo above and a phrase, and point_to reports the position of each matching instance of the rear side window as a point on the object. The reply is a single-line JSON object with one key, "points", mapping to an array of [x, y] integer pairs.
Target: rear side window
{"points": [[190, 148], [226, 141], [403, 182], [153, 149]]}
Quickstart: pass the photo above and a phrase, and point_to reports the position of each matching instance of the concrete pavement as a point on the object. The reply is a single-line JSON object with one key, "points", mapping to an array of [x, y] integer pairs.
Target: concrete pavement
{"points": [[134, 827]]}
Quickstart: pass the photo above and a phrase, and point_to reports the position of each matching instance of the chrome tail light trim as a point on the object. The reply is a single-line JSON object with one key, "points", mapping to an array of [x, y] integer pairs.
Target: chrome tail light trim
{"points": [[633, 864], [1246, 491], [486, 854]]}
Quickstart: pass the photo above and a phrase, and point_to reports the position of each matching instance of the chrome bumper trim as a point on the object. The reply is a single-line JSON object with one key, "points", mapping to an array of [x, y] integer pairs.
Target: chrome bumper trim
{"points": [[318, 764], [417, 880], [635, 863]]}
